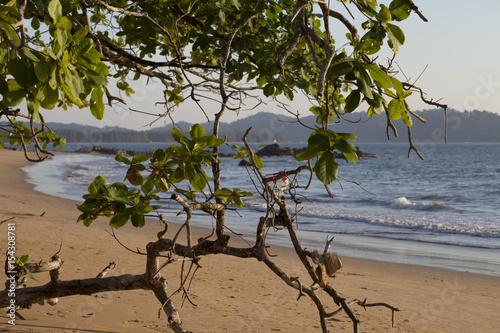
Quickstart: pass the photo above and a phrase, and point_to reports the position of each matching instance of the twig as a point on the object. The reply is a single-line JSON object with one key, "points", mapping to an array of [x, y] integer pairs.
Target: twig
{"points": [[106, 270], [7, 220], [296, 279]]}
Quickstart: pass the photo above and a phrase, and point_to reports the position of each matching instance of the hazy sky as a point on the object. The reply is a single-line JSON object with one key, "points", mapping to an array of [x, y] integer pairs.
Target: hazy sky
{"points": [[460, 45]]}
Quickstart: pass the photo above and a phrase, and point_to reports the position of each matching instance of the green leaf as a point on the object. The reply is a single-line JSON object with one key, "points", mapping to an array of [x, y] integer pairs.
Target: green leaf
{"points": [[14, 98], [94, 78], [148, 185], [139, 158], [122, 159], [258, 162], [11, 33], [352, 101], [42, 71], [50, 96], [384, 15], [269, 89], [400, 9], [396, 37], [22, 260], [96, 103], [353, 157], [138, 219], [376, 102], [397, 32], [320, 139], [196, 131], [55, 10], [177, 135], [380, 78], [406, 118], [311, 152], [341, 65], [120, 219], [395, 108], [326, 168], [35, 23], [369, 45], [198, 181], [30, 274], [232, 197], [345, 136], [345, 146], [28, 54], [261, 81], [61, 37], [188, 194], [398, 86], [64, 23], [17, 68], [33, 107], [364, 82]]}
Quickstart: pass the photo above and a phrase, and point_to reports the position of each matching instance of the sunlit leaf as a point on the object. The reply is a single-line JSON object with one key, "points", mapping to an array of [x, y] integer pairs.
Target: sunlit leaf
{"points": [[96, 103]]}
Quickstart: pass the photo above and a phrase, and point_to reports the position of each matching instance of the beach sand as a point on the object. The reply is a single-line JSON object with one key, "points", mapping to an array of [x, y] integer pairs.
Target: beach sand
{"points": [[231, 294]]}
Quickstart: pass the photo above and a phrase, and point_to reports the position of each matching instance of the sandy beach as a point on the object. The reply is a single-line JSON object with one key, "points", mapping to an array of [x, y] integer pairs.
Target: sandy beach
{"points": [[231, 294]]}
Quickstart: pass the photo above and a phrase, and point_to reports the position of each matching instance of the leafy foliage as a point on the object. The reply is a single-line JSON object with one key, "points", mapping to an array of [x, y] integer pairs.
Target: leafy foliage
{"points": [[166, 168], [322, 143], [232, 197], [71, 53]]}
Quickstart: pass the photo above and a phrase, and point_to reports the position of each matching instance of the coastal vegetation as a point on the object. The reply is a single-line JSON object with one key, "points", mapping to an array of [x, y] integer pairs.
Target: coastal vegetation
{"points": [[236, 53]]}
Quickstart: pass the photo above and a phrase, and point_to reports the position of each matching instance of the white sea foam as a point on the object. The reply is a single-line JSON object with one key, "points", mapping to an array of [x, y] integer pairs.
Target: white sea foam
{"points": [[403, 203]]}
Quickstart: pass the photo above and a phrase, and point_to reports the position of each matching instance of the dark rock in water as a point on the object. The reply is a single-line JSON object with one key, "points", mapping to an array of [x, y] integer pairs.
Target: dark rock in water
{"points": [[110, 151], [277, 150]]}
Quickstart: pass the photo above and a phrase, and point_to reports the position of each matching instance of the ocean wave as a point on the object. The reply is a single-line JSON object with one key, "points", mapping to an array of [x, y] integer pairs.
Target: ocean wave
{"points": [[327, 218], [403, 203]]}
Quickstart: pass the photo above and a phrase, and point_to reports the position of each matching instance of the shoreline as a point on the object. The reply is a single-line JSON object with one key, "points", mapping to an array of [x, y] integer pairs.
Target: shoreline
{"points": [[479, 260], [229, 291]]}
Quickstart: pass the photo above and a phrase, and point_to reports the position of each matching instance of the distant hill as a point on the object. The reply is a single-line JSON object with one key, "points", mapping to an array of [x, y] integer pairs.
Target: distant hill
{"points": [[474, 126]]}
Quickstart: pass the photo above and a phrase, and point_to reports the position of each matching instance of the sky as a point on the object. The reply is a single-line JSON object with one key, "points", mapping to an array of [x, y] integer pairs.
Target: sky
{"points": [[459, 49]]}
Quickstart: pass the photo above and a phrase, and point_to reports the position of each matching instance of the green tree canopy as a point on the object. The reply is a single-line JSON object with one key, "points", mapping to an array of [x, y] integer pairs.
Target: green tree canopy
{"points": [[62, 53]]}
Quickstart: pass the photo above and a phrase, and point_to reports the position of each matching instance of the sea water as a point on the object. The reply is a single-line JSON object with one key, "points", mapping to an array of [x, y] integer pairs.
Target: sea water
{"points": [[443, 211]]}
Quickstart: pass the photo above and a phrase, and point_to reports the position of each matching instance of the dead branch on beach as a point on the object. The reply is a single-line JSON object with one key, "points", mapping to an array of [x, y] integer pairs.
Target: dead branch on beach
{"points": [[319, 266]]}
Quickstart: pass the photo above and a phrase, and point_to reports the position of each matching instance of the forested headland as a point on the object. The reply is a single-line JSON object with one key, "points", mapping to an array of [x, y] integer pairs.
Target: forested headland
{"points": [[469, 126]]}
